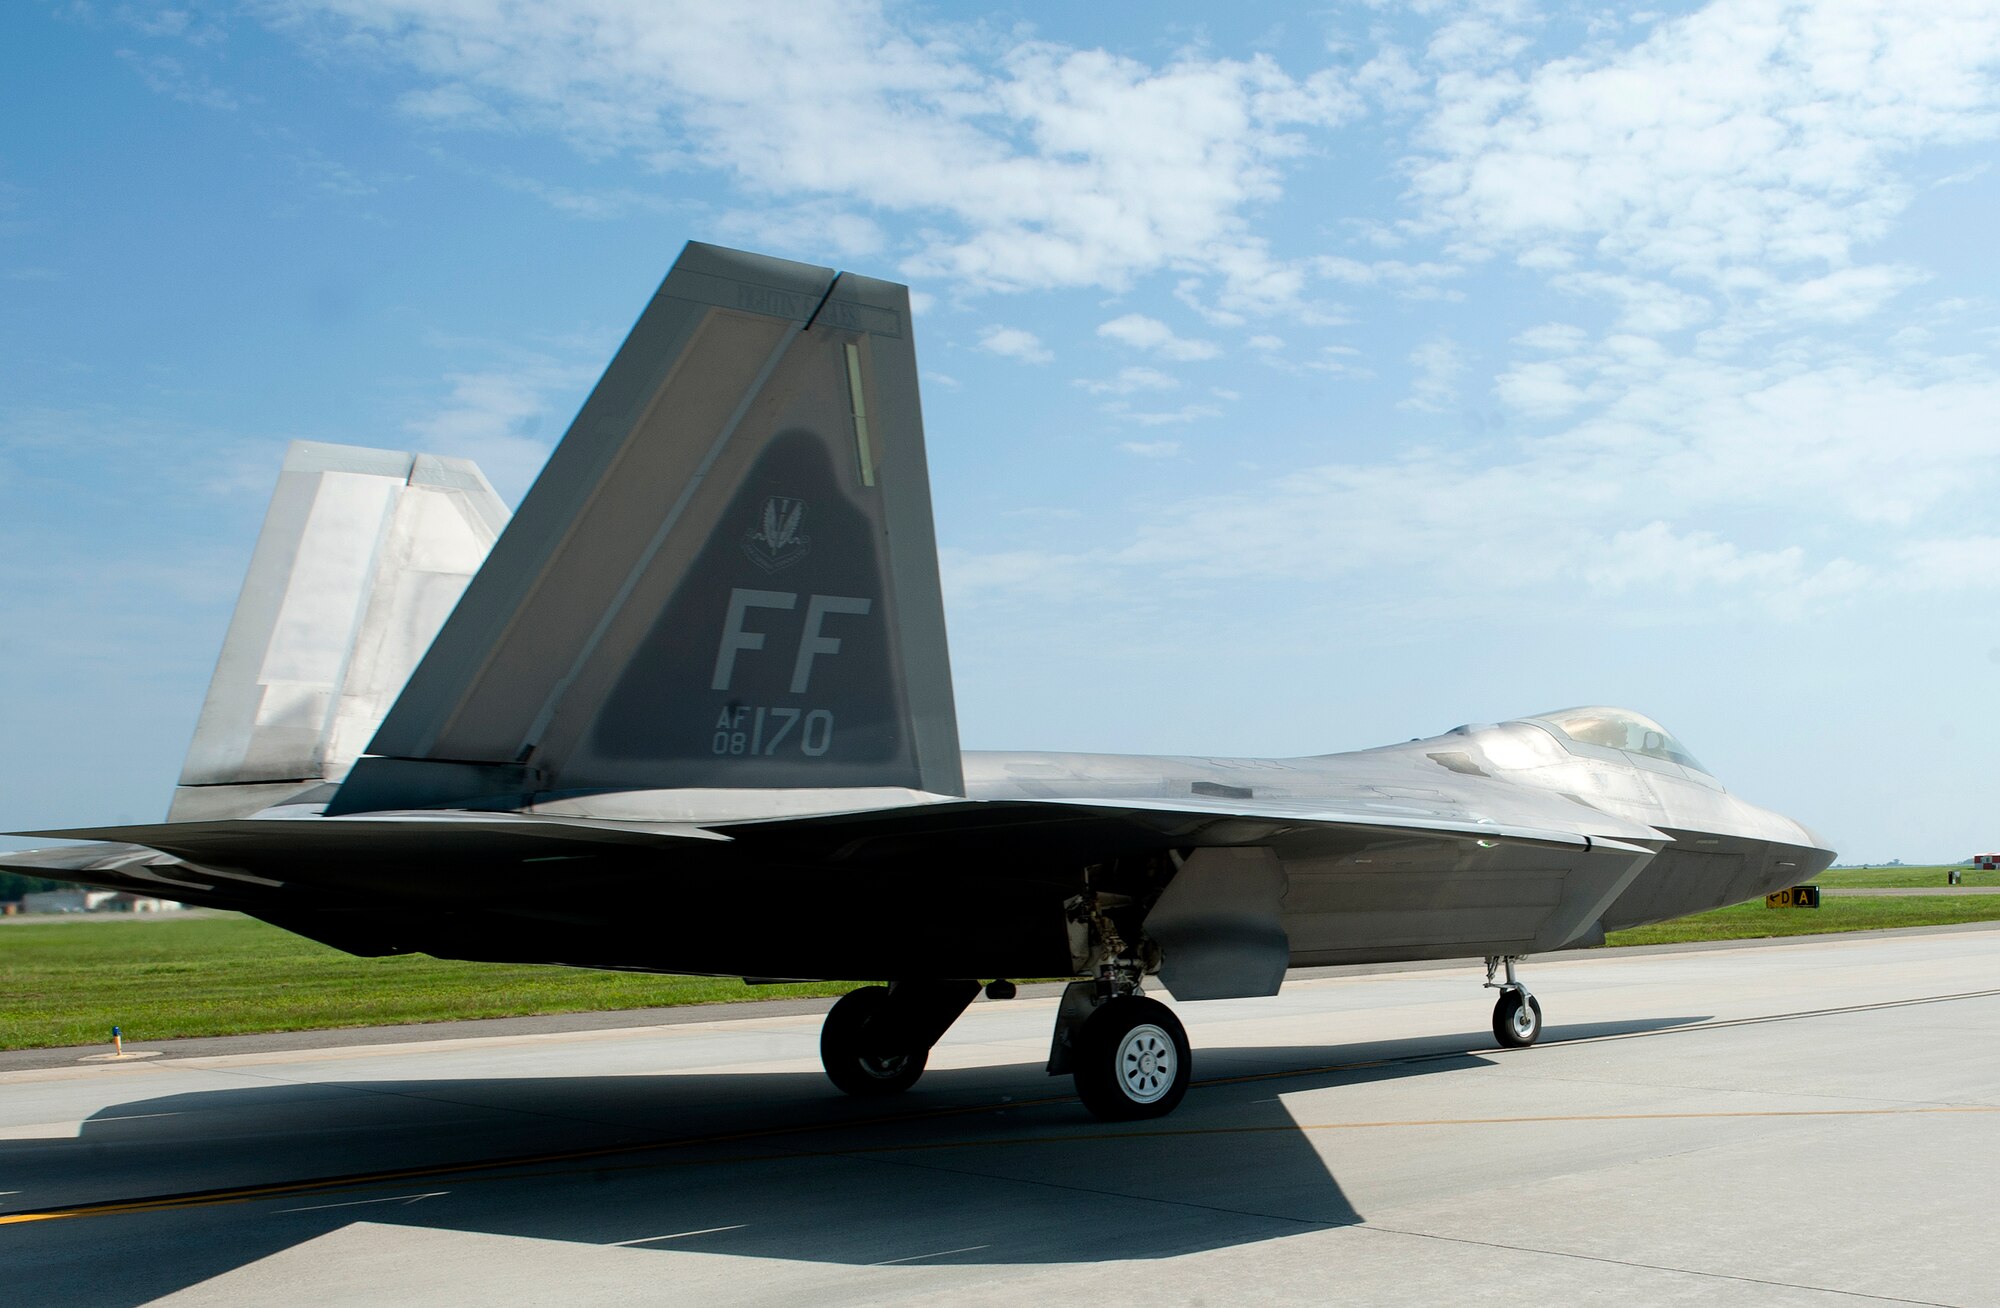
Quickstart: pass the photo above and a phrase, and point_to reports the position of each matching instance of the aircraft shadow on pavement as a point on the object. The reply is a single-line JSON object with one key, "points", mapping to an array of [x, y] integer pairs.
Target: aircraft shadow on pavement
{"points": [[988, 1165]]}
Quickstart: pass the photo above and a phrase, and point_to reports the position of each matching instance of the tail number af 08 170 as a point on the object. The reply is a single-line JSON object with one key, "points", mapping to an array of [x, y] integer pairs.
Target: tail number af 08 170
{"points": [[746, 729], [761, 729]]}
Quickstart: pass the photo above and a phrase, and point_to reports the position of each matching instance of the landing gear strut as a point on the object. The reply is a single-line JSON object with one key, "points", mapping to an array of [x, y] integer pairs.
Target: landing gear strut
{"points": [[877, 1039], [1128, 1054], [1517, 1015]]}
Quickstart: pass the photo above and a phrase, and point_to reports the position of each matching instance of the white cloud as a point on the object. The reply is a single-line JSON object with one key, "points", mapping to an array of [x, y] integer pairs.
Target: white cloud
{"points": [[602, 205], [1970, 562], [1150, 334], [1014, 343], [818, 229], [1645, 306], [1656, 555], [1846, 295], [1026, 575], [1151, 449], [1130, 381], [1481, 36], [1679, 489], [1539, 389], [1749, 133], [172, 78], [1187, 413], [1552, 336], [1048, 167], [1439, 363], [1383, 272], [1338, 360], [505, 419], [1873, 441]]}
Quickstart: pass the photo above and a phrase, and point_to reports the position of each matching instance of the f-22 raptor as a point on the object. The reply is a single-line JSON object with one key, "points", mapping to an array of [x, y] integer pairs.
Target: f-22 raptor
{"points": [[692, 712]]}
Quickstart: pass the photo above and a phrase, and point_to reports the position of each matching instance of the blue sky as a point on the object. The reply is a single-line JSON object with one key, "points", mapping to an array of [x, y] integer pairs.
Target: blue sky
{"points": [[1294, 381]]}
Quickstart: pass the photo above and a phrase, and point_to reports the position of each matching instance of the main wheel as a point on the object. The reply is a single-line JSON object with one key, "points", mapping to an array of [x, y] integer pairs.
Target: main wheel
{"points": [[1131, 1059], [1517, 1019], [851, 1061]]}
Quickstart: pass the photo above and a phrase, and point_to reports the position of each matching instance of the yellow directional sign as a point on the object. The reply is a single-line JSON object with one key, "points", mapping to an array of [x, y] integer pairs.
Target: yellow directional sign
{"points": [[1793, 897]]}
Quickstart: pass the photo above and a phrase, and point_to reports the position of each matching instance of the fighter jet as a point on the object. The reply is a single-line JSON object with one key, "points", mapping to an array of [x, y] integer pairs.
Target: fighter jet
{"points": [[693, 713]]}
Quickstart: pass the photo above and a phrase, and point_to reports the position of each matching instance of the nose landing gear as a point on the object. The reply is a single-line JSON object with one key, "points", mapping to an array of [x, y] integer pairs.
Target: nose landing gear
{"points": [[1517, 1015]]}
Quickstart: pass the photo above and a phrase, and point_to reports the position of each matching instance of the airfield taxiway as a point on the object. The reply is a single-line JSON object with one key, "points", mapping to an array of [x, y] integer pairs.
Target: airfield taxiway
{"points": [[1788, 1123]]}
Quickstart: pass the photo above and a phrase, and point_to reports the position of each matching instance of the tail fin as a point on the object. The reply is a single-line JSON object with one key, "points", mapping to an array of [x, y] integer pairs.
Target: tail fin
{"points": [[362, 555], [726, 576]]}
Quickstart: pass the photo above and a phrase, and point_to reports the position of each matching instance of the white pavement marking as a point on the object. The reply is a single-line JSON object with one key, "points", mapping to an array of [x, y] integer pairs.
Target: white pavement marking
{"points": [[679, 1235], [942, 1253], [360, 1203]]}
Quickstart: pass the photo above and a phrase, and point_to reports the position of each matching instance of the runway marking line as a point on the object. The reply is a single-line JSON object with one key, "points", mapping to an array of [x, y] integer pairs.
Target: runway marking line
{"points": [[942, 1253], [359, 1203], [363, 1180], [677, 1235]]}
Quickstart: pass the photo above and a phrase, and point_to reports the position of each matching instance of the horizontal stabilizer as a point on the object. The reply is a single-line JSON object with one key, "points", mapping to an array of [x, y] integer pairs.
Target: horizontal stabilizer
{"points": [[471, 838]]}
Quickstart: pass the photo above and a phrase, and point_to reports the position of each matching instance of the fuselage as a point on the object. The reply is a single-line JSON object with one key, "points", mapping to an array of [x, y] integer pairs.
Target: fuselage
{"points": [[1422, 899]]}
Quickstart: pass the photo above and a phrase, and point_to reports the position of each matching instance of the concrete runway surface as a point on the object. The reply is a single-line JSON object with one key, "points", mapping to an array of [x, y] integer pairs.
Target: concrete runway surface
{"points": [[1799, 1123]]}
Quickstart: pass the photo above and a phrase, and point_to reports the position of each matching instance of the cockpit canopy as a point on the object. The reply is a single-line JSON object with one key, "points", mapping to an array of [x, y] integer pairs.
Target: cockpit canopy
{"points": [[1616, 728]]}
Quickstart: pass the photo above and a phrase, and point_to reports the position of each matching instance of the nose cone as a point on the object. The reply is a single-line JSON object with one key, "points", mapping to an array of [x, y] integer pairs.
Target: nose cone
{"points": [[1820, 854]]}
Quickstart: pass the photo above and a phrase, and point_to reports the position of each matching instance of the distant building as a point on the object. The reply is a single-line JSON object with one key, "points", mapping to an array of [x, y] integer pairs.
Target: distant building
{"points": [[1989, 862], [93, 901]]}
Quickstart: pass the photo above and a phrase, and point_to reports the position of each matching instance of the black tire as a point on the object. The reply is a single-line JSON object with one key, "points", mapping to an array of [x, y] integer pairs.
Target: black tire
{"points": [[851, 1062], [1517, 1020], [1131, 1060]]}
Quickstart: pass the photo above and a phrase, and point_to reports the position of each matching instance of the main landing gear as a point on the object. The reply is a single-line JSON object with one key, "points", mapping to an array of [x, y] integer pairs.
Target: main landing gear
{"points": [[1130, 1059], [878, 1038], [1129, 1054], [1517, 1015]]}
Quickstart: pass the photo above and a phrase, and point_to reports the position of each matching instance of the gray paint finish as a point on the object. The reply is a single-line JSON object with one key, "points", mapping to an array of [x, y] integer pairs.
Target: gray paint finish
{"points": [[704, 536]]}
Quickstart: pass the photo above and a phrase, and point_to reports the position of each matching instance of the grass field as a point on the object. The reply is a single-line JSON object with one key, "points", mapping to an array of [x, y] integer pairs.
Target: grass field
{"points": [[1902, 876], [1746, 921], [68, 982]]}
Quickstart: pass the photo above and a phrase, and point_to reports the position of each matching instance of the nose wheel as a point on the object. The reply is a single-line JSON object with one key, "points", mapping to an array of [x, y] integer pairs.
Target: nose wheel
{"points": [[1517, 1019], [1517, 1015]]}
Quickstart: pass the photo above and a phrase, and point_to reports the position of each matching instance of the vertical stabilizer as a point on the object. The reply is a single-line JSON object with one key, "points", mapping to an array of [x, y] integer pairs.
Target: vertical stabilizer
{"points": [[362, 555], [726, 576]]}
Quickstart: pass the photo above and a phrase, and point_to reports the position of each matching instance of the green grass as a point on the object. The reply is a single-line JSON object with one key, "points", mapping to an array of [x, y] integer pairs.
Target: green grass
{"points": [[68, 983], [1903, 876], [1746, 921]]}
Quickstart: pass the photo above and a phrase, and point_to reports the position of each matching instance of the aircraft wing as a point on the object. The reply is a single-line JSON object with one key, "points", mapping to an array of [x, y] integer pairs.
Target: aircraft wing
{"points": [[265, 864], [392, 882], [1080, 830], [473, 837], [1092, 828]]}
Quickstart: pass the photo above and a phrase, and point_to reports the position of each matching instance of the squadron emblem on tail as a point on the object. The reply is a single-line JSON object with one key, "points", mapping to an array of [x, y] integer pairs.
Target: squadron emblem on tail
{"points": [[778, 542]]}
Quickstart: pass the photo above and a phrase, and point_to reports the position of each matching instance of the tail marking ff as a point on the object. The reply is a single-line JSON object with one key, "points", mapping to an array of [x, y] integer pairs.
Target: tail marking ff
{"points": [[726, 576]]}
